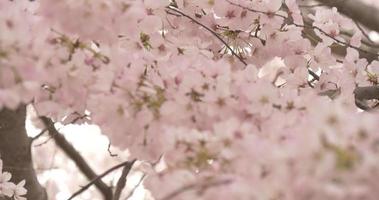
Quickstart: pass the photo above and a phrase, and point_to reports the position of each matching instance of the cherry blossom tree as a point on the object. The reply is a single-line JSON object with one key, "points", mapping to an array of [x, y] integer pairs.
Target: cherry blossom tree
{"points": [[213, 99]]}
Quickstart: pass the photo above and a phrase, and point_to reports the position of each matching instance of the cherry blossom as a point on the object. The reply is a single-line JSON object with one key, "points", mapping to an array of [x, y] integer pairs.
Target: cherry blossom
{"points": [[19, 191], [8, 188], [229, 95], [5, 185]]}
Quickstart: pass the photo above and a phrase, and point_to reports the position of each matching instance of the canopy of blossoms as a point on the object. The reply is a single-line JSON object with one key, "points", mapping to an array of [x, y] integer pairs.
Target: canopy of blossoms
{"points": [[240, 99]]}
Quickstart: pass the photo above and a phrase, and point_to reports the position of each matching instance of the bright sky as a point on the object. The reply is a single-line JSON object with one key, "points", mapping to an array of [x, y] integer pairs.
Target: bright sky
{"points": [[60, 175]]}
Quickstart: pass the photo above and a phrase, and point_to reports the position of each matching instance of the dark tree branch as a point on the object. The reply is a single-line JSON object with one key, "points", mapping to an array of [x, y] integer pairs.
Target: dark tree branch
{"points": [[38, 135], [364, 94], [15, 151], [127, 164], [121, 182], [314, 75], [367, 93], [80, 162], [358, 11], [365, 34]]}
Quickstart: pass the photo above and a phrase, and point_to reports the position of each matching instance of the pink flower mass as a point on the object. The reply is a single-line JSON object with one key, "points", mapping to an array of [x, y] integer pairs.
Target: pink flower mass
{"points": [[237, 99]]}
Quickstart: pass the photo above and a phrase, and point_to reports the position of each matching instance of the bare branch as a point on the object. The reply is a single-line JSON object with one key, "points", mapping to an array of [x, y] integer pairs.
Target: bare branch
{"points": [[38, 135], [121, 182], [135, 187], [98, 178], [314, 75], [80, 162], [109, 150]]}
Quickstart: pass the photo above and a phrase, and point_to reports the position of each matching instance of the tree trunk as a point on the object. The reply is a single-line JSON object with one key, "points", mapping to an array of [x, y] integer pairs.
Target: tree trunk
{"points": [[15, 151]]}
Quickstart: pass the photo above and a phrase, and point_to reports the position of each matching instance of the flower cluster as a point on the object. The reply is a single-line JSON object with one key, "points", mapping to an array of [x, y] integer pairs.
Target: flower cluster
{"points": [[243, 98], [10, 189]]}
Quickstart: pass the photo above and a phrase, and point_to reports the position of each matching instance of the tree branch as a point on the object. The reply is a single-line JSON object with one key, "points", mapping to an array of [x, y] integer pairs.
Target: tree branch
{"points": [[121, 182], [208, 29], [358, 11], [363, 94], [127, 164], [367, 93], [38, 135], [71, 152], [135, 187], [311, 27]]}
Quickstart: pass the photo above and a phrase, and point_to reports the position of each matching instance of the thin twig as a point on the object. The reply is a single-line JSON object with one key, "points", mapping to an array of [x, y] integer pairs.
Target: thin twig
{"points": [[109, 150], [256, 11], [95, 180], [314, 75], [335, 39], [38, 135], [78, 118], [193, 186], [44, 142], [208, 29], [135, 187], [308, 27]]}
